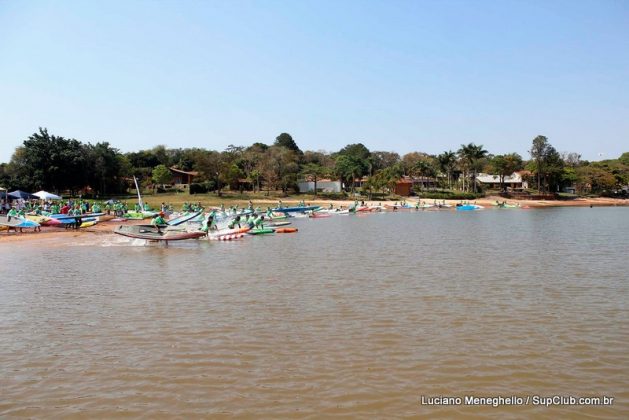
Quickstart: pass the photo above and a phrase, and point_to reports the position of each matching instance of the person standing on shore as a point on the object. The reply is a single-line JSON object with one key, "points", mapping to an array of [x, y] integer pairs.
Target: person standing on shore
{"points": [[12, 213]]}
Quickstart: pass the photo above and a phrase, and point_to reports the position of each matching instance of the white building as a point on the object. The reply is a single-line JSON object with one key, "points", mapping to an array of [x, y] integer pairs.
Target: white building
{"points": [[323, 185], [514, 181]]}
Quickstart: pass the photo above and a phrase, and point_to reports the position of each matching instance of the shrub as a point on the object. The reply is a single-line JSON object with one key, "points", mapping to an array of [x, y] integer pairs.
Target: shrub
{"points": [[201, 188]]}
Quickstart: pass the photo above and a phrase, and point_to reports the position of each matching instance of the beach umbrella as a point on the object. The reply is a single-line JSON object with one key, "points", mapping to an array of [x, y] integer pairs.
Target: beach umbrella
{"points": [[46, 195], [22, 194]]}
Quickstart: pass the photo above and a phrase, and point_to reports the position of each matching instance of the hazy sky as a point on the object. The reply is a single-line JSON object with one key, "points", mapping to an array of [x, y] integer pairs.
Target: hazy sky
{"points": [[394, 75]]}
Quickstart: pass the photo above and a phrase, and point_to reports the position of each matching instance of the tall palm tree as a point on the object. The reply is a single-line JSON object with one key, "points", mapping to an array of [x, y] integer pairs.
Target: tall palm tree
{"points": [[478, 153], [470, 155], [447, 161], [464, 154]]}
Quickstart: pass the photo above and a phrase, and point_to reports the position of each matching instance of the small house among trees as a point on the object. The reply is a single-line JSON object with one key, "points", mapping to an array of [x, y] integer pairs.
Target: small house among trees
{"points": [[322, 185], [180, 177], [404, 187], [513, 182]]}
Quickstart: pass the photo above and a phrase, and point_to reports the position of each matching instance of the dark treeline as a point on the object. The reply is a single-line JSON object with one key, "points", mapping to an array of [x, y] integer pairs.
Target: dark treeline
{"points": [[58, 164]]}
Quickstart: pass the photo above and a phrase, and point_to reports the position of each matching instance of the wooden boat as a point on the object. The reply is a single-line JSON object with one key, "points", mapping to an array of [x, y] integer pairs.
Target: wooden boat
{"points": [[153, 233]]}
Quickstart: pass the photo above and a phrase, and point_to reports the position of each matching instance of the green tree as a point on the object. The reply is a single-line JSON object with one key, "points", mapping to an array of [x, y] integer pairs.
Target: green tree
{"points": [[286, 140], [348, 168], [161, 175], [320, 158], [356, 150], [280, 168], [315, 171], [411, 160], [593, 179], [352, 162], [382, 160], [505, 165], [50, 162], [539, 150], [231, 176], [210, 165], [391, 175], [447, 164], [553, 166], [106, 168], [425, 168], [471, 156], [143, 159]]}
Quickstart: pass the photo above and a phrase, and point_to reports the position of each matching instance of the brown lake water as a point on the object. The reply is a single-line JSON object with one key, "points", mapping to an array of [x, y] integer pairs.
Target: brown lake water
{"points": [[355, 316]]}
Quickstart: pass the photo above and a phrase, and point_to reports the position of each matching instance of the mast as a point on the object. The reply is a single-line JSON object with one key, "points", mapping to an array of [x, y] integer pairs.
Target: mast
{"points": [[139, 196]]}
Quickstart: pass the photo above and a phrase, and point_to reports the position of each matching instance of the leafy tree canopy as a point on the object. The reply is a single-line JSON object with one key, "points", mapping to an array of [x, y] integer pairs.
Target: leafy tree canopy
{"points": [[286, 140], [356, 150]]}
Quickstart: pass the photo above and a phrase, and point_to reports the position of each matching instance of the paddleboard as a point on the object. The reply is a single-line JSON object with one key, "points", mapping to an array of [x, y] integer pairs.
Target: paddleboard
{"points": [[295, 209], [258, 231], [286, 230], [183, 218], [226, 237]]}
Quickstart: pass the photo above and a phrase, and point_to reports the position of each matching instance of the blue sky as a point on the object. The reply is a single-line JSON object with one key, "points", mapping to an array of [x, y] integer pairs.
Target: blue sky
{"points": [[395, 75]]}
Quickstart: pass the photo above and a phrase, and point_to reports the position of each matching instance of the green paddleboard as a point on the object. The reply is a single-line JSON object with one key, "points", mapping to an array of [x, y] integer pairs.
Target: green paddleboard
{"points": [[260, 231]]}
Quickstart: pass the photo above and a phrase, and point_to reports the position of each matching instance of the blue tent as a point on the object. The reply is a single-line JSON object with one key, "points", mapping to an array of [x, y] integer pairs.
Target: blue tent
{"points": [[22, 194]]}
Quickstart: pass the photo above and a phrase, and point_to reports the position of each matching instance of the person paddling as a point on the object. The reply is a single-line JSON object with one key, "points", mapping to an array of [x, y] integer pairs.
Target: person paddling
{"points": [[234, 222]]}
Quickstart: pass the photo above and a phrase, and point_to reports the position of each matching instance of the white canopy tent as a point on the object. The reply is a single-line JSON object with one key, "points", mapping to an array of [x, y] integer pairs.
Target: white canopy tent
{"points": [[46, 195]]}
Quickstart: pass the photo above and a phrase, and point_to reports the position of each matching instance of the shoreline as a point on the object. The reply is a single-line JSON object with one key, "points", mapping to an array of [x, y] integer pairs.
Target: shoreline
{"points": [[106, 227], [485, 201]]}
